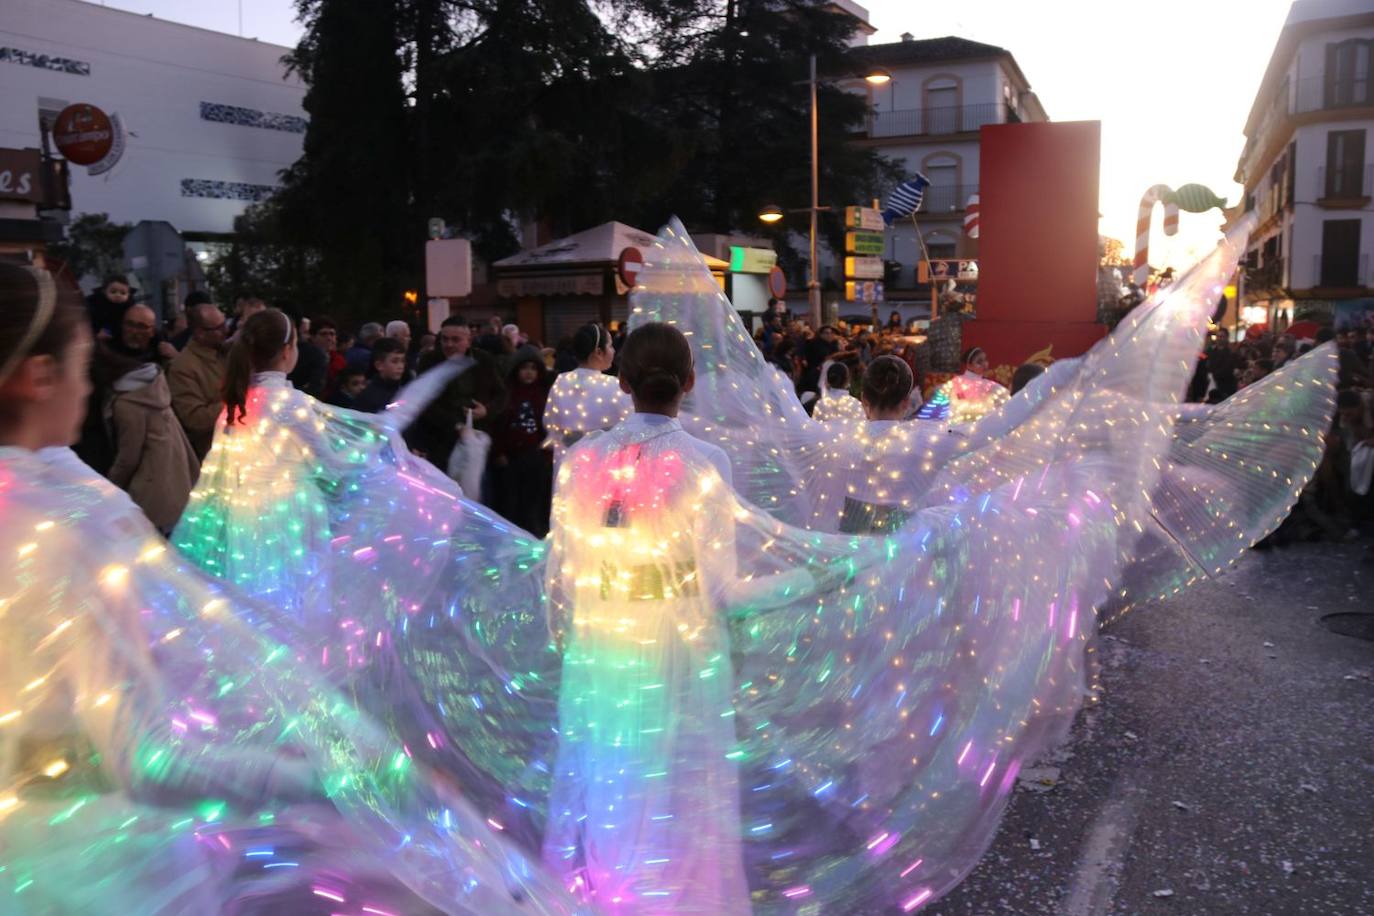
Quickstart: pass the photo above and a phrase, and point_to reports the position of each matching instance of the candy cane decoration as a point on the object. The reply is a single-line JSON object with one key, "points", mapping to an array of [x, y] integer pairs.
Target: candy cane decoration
{"points": [[1160, 193]]}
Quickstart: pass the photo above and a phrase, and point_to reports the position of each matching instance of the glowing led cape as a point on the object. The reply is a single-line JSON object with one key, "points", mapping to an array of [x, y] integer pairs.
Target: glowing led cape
{"points": [[581, 401], [1230, 477], [965, 398], [160, 755]]}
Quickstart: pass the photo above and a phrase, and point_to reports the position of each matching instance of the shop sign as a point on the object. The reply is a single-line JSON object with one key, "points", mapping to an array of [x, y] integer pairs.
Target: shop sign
{"points": [[561, 285], [946, 269], [20, 175], [745, 260]]}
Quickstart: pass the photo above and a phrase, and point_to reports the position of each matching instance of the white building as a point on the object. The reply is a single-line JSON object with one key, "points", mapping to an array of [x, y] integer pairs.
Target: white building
{"points": [[1306, 166], [928, 117], [211, 119]]}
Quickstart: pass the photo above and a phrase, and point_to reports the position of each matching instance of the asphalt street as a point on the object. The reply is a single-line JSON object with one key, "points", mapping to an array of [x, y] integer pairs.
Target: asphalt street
{"points": [[1226, 766]]}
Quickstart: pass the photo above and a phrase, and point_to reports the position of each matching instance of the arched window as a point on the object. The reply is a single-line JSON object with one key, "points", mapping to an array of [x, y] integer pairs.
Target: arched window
{"points": [[944, 171]]}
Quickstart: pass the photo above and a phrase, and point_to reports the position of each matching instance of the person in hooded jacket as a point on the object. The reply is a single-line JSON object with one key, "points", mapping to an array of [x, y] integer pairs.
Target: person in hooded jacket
{"points": [[523, 467], [153, 460]]}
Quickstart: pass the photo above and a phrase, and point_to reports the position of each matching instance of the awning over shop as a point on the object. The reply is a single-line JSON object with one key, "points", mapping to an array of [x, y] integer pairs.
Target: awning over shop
{"points": [[581, 264]]}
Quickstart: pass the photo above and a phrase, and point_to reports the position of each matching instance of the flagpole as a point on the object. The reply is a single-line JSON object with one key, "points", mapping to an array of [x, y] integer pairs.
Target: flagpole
{"points": [[930, 268]]}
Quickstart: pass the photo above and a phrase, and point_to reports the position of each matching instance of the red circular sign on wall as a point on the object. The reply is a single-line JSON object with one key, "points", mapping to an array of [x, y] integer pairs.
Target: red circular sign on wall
{"points": [[83, 133], [628, 265], [777, 282]]}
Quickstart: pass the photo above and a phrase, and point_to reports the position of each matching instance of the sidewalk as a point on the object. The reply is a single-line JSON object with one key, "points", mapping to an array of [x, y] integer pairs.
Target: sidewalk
{"points": [[1228, 766]]}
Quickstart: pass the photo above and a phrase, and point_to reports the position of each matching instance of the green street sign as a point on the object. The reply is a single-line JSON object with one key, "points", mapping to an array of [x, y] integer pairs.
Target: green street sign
{"points": [[864, 242]]}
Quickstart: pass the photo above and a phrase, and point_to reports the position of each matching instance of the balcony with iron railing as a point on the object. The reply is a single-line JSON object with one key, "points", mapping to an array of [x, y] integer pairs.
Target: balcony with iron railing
{"points": [[950, 198], [1307, 96], [1341, 275], [1270, 278], [938, 121], [1344, 184]]}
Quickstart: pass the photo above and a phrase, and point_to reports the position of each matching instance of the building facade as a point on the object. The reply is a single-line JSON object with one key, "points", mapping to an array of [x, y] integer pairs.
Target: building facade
{"points": [[928, 117], [210, 119], [1306, 168]]}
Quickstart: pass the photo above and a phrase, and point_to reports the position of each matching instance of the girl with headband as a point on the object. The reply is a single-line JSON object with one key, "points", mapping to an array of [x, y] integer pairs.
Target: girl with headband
{"points": [[586, 398]]}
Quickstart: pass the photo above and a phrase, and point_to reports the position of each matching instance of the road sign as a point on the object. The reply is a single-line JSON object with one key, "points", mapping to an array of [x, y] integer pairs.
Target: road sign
{"points": [[864, 218], [863, 290], [864, 242], [777, 282], [448, 268], [628, 266], [863, 268]]}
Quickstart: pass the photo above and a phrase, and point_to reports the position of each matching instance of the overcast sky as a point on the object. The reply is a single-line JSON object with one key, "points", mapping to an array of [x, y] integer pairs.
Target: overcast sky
{"points": [[1171, 80]]}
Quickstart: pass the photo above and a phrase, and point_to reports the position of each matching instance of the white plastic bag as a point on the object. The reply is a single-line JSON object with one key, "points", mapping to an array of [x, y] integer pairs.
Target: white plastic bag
{"points": [[469, 459]]}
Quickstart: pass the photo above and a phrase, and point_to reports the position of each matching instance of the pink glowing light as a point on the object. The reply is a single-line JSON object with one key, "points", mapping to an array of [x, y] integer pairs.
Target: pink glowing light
{"points": [[987, 775], [917, 900], [967, 747], [911, 868], [793, 893], [328, 894]]}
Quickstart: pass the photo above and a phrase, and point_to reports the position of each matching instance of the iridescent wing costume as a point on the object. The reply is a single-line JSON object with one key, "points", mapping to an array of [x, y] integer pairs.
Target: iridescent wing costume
{"points": [[165, 748], [1229, 478]]}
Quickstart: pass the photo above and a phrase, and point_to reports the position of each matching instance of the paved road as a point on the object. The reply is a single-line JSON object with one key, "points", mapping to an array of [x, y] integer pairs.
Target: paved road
{"points": [[1228, 766]]}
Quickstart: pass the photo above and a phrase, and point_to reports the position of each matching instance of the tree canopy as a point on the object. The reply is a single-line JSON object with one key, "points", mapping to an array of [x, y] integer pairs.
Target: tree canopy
{"points": [[563, 113]]}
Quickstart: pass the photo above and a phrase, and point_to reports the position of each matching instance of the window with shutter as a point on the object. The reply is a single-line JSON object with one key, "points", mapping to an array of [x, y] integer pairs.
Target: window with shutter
{"points": [[1340, 253], [1344, 164]]}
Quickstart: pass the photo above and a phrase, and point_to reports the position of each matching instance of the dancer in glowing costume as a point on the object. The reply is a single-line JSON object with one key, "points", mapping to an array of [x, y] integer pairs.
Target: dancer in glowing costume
{"points": [[157, 755], [586, 398], [966, 397], [265, 512], [1230, 477], [836, 403]]}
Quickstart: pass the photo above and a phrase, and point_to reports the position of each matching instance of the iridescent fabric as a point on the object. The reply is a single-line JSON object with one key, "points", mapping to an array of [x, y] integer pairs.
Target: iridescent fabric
{"points": [[837, 720], [581, 401], [159, 754], [1230, 478]]}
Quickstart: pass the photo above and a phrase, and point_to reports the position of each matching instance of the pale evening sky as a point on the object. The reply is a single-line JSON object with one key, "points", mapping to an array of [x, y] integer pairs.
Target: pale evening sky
{"points": [[1171, 82]]}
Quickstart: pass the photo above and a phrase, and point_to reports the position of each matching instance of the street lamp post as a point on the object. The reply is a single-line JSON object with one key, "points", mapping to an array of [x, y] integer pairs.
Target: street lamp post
{"points": [[771, 214], [813, 284]]}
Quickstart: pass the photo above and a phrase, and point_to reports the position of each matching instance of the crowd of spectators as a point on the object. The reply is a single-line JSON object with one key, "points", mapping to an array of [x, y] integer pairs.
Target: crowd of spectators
{"points": [[157, 393], [1337, 505]]}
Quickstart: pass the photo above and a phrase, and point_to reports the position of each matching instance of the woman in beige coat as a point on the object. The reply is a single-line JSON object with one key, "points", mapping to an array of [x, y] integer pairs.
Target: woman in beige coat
{"points": [[154, 461]]}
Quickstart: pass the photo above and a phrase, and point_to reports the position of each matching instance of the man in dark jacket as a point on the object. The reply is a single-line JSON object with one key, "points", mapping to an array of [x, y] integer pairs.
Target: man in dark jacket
{"points": [[478, 387]]}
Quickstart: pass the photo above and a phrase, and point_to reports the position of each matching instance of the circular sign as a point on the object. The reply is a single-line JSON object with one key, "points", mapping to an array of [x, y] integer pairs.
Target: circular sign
{"points": [[777, 282], [83, 133], [630, 263]]}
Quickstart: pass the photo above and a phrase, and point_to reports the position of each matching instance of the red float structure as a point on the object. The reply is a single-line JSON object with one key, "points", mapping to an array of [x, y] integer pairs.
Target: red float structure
{"points": [[1037, 251]]}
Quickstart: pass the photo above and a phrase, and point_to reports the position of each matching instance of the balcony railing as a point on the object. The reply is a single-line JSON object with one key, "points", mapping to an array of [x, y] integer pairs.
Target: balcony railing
{"points": [[950, 198], [1307, 96], [1344, 184], [953, 119], [1269, 278], [1341, 276]]}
